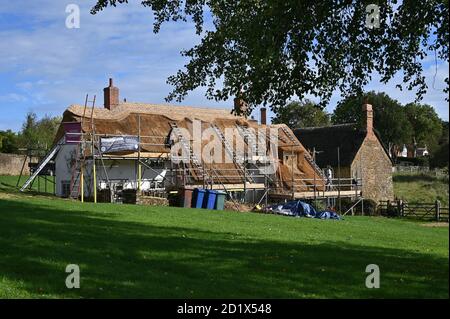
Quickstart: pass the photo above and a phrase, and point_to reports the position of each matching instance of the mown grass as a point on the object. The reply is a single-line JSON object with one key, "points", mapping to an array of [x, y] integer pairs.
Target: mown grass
{"points": [[43, 184], [421, 188], [152, 252]]}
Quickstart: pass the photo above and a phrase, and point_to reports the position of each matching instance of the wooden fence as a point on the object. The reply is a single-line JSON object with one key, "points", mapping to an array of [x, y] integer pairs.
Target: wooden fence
{"points": [[425, 211]]}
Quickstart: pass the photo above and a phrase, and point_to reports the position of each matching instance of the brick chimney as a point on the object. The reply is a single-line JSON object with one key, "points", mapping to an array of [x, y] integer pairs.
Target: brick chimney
{"points": [[240, 106], [263, 116], [111, 96], [368, 116]]}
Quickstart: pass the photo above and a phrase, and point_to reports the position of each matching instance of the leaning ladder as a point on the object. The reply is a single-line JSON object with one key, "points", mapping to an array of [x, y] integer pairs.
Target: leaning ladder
{"points": [[75, 180], [252, 141], [43, 163], [307, 155], [187, 149], [80, 158], [238, 160]]}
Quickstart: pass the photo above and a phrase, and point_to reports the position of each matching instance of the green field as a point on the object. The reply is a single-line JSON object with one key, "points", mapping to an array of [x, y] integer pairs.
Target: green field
{"points": [[150, 252], [421, 188]]}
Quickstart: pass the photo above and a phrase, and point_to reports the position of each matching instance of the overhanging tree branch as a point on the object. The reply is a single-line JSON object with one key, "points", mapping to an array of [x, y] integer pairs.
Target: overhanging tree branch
{"points": [[271, 51]]}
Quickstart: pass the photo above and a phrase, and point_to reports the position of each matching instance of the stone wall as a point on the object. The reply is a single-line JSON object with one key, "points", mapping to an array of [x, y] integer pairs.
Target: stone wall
{"points": [[11, 164], [373, 165]]}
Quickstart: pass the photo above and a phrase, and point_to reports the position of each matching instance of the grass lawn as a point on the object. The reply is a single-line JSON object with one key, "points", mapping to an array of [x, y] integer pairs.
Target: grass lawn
{"points": [[421, 188], [7, 183], [150, 252]]}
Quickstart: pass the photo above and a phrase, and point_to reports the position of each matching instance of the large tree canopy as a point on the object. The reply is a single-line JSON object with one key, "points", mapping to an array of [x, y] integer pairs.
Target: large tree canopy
{"points": [[301, 114], [396, 124], [426, 124], [269, 51], [38, 133], [440, 158], [390, 118]]}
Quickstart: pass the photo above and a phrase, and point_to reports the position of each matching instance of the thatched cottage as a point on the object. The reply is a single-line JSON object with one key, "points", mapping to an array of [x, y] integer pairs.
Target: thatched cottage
{"points": [[349, 151], [130, 146]]}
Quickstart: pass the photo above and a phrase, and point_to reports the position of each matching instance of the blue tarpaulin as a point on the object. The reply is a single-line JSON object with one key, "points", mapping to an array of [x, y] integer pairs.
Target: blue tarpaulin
{"points": [[328, 215], [301, 209]]}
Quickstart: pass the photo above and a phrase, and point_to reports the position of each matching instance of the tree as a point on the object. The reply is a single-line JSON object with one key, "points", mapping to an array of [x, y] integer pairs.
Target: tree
{"points": [[298, 114], [390, 118], [439, 158], [445, 133], [269, 51], [28, 137], [426, 124], [38, 134], [8, 142], [47, 128]]}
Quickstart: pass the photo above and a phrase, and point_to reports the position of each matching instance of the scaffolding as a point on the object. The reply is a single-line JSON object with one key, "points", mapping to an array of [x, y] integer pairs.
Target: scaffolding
{"points": [[192, 173], [250, 182]]}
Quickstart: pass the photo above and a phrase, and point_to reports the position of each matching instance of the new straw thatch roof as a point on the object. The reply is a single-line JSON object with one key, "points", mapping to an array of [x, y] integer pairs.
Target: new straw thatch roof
{"points": [[152, 123]]}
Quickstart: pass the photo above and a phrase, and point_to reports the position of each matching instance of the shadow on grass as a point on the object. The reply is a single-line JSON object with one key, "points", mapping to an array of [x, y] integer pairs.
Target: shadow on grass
{"points": [[130, 259]]}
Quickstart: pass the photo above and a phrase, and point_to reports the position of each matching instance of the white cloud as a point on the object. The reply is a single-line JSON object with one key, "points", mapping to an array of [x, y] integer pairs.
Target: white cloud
{"points": [[13, 97]]}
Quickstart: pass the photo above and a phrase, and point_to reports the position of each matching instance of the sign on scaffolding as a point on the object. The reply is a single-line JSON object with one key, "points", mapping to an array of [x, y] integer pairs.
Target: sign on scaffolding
{"points": [[119, 144], [72, 132]]}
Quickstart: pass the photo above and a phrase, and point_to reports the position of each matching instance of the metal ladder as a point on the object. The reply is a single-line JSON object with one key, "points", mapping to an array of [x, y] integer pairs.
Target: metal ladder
{"points": [[308, 156], [252, 141], [80, 159], [238, 160], [43, 163], [75, 179], [249, 138], [187, 149]]}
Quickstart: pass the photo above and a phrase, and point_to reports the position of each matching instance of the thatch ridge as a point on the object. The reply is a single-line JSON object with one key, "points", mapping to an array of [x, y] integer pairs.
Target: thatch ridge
{"points": [[174, 112]]}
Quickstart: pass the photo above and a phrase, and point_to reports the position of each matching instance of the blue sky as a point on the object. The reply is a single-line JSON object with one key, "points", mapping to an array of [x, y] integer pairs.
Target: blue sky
{"points": [[45, 67]]}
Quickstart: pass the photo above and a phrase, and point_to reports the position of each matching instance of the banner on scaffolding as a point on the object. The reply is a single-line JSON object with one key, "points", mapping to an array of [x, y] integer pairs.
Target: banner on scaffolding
{"points": [[73, 132], [119, 144]]}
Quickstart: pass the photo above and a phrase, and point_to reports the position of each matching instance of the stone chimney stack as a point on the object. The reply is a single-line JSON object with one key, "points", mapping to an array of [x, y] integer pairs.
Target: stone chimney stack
{"points": [[111, 96], [368, 116], [263, 116]]}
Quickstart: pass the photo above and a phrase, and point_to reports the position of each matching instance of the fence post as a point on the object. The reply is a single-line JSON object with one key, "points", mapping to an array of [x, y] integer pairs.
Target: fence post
{"points": [[362, 206], [399, 207], [402, 211], [437, 207]]}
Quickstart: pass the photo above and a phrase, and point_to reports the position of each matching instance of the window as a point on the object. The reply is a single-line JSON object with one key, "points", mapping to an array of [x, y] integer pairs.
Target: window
{"points": [[65, 188]]}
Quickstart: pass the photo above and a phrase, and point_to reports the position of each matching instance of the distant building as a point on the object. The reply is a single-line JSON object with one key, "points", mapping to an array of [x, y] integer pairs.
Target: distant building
{"points": [[422, 151], [404, 152], [412, 151], [353, 152]]}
